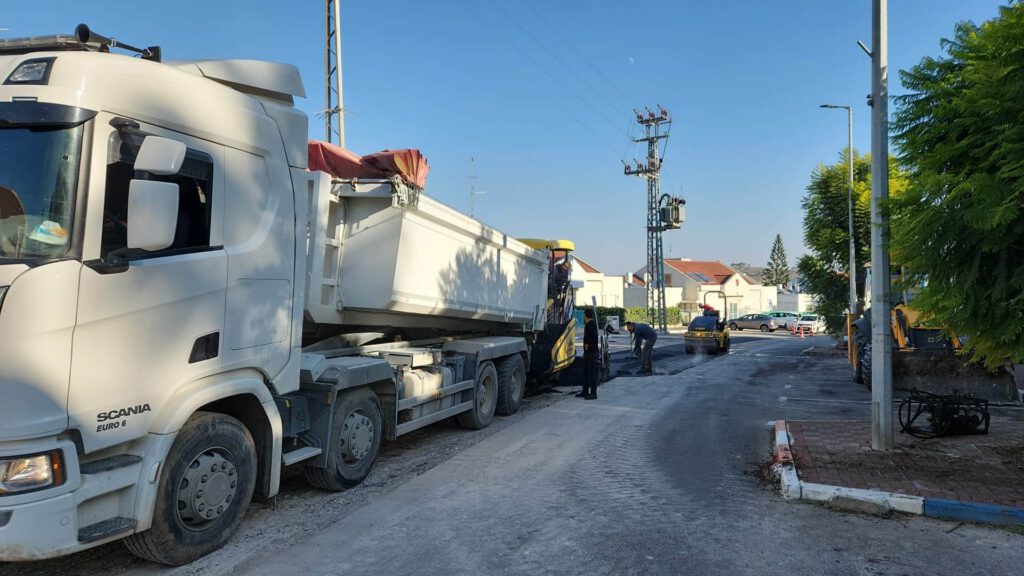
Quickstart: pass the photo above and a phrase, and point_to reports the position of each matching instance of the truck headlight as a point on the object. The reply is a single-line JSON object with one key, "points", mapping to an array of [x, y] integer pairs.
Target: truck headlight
{"points": [[26, 473]]}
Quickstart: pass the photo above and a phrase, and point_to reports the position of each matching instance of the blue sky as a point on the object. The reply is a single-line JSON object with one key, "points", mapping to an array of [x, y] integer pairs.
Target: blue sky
{"points": [[540, 94]]}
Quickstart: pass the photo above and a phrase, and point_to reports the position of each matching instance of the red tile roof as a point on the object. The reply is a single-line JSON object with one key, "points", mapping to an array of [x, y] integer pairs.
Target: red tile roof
{"points": [[707, 272], [586, 267], [638, 281]]}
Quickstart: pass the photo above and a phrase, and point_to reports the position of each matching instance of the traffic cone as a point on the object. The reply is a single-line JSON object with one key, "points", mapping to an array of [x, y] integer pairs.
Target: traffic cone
{"points": [[800, 329]]}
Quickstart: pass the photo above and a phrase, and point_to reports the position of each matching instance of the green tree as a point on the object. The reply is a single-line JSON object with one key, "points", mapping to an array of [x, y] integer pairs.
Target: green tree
{"points": [[826, 232], [777, 272], [959, 230]]}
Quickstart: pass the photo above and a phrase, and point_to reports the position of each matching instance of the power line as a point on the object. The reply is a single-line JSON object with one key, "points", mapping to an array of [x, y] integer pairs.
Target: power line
{"points": [[579, 53], [526, 30], [546, 88]]}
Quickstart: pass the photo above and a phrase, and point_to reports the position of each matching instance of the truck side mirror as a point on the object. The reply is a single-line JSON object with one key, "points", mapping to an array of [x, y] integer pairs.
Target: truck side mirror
{"points": [[160, 156], [152, 214]]}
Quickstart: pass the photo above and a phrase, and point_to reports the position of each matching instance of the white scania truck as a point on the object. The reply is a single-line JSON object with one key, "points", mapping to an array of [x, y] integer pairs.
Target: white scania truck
{"points": [[185, 309]]}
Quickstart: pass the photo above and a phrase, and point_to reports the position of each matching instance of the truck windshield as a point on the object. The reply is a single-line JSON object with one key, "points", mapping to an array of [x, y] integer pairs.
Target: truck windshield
{"points": [[38, 177]]}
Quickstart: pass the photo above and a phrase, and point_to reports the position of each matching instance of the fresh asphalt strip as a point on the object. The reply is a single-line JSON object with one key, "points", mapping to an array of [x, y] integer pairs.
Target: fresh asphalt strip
{"points": [[792, 487]]}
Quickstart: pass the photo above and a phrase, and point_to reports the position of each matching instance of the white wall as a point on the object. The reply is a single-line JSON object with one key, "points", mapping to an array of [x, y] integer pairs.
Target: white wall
{"points": [[637, 296], [797, 302], [607, 289]]}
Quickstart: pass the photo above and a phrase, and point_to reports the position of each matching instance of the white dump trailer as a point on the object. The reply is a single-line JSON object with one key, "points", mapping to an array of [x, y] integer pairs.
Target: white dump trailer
{"points": [[185, 309], [383, 254]]}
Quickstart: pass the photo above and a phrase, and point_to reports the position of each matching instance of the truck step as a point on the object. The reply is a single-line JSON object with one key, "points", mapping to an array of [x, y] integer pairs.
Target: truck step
{"points": [[105, 529], [110, 463], [296, 456]]}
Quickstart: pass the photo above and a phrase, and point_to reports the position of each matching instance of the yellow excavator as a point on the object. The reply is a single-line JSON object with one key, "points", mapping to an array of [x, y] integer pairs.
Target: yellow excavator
{"points": [[925, 357]]}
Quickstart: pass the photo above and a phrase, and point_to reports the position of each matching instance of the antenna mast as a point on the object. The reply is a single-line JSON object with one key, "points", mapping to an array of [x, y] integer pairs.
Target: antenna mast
{"points": [[334, 116]]}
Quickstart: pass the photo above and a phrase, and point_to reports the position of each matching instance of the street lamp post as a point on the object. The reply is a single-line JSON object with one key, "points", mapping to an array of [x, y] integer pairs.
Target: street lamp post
{"points": [[853, 251]]}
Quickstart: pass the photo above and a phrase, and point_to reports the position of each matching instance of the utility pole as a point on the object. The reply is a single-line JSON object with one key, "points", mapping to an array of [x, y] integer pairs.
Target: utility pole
{"points": [[651, 171], [334, 112], [881, 329]]}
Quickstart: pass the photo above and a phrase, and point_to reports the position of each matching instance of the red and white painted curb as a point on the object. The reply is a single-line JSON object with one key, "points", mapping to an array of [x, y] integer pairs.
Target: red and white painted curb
{"points": [[793, 488]]}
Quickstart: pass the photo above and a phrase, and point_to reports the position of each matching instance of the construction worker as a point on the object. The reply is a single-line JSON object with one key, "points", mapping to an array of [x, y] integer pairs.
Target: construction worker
{"points": [[644, 338], [590, 353]]}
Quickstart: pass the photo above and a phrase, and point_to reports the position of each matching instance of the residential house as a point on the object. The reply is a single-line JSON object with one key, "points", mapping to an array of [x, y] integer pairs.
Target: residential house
{"points": [[593, 283], [792, 298], [690, 283]]}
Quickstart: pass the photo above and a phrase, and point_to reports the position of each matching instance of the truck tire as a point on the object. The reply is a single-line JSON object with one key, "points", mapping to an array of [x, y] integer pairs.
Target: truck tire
{"points": [[356, 435], [728, 343], [511, 385], [205, 488], [689, 350], [485, 399]]}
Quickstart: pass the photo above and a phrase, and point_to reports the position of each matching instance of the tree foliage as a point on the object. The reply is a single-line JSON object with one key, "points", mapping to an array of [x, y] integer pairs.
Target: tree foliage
{"points": [[960, 227], [777, 272], [826, 232], [639, 314]]}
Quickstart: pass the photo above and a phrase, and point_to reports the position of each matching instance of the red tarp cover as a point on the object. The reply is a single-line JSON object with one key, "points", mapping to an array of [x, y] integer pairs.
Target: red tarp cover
{"points": [[340, 163]]}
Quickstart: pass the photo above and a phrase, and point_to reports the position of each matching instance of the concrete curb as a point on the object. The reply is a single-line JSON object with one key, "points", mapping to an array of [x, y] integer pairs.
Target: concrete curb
{"points": [[877, 501]]}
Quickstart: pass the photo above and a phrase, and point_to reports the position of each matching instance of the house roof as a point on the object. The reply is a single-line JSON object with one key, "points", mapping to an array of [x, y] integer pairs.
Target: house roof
{"points": [[586, 267], [636, 281], [707, 272]]}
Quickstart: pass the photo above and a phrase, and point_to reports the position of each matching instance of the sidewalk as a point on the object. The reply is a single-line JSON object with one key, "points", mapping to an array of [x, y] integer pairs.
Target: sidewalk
{"points": [[976, 478]]}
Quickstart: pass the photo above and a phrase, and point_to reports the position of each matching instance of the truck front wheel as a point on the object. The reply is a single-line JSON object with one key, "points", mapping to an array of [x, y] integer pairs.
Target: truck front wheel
{"points": [[356, 434], [205, 488], [511, 384], [484, 401]]}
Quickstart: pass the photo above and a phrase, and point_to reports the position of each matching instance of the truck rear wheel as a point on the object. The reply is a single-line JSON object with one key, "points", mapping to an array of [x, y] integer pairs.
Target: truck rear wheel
{"points": [[205, 488], [485, 399], [511, 385], [356, 434]]}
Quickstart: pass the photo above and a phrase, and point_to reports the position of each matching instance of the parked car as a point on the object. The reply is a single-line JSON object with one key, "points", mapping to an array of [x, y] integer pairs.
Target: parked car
{"points": [[784, 319], [811, 322], [761, 322]]}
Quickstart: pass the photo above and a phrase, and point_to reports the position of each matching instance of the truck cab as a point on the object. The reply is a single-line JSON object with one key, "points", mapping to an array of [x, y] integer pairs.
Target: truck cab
{"points": [[128, 301]]}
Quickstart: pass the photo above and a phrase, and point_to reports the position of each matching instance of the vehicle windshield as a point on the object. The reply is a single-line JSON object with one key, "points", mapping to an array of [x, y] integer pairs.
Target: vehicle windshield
{"points": [[808, 318], [703, 323], [38, 177]]}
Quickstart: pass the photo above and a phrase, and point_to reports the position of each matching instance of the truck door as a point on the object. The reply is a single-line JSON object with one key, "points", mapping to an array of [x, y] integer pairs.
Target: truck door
{"points": [[147, 328]]}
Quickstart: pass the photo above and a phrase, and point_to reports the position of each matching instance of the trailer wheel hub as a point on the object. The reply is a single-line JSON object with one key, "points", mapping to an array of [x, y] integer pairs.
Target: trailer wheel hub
{"points": [[207, 488], [357, 436]]}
